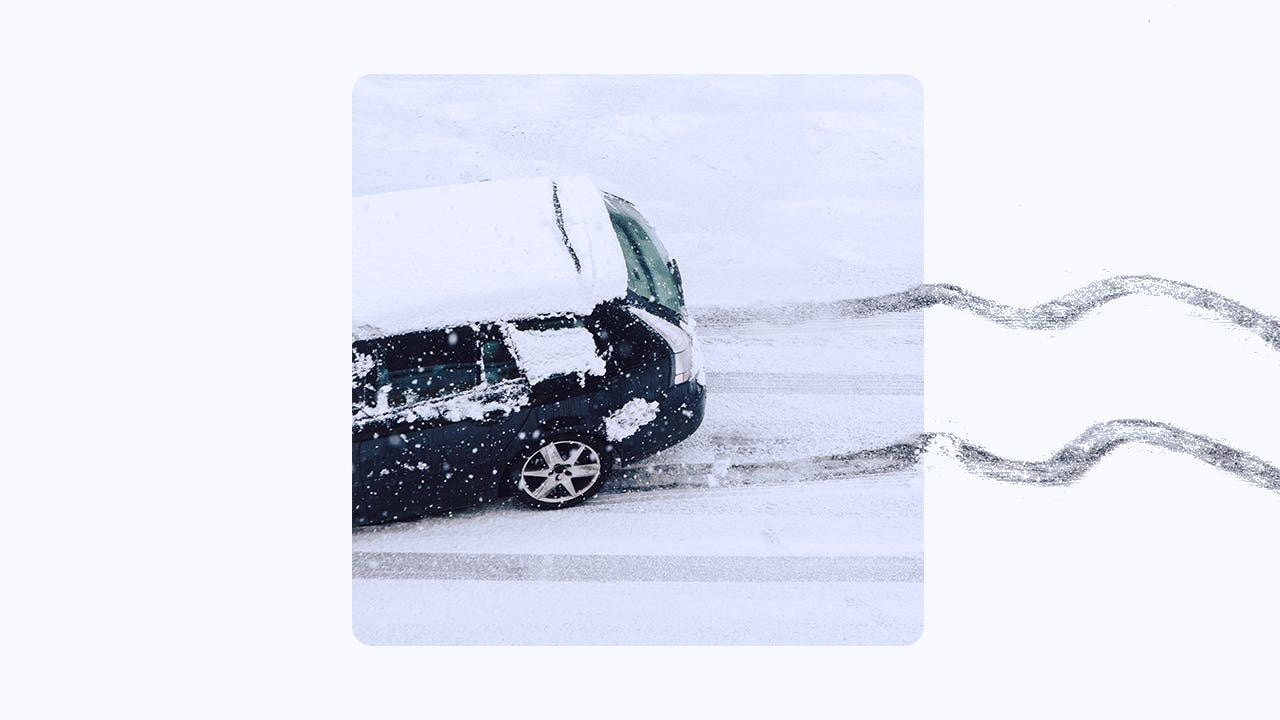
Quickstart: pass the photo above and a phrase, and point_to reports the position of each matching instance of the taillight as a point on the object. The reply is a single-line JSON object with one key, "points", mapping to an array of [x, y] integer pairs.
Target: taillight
{"points": [[677, 339]]}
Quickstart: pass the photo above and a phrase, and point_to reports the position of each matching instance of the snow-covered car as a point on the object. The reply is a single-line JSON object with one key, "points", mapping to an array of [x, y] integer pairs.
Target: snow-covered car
{"points": [[512, 337]]}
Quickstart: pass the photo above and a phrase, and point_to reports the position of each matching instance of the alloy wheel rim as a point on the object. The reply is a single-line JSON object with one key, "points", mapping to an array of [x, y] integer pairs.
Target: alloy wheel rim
{"points": [[560, 471]]}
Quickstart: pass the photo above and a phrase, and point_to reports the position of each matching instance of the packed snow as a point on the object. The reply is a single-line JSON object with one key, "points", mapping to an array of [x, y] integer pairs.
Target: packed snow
{"points": [[626, 420], [481, 252], [543, 354], [504, 397], [690, 327]]}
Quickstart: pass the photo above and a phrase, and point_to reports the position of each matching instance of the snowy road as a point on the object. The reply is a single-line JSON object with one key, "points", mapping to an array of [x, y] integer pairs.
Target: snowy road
{"points": [[635, 568], [771, 525]]}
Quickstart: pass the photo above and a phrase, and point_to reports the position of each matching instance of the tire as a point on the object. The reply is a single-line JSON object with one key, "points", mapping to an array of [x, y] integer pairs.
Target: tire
{"points": [[563, 471]]}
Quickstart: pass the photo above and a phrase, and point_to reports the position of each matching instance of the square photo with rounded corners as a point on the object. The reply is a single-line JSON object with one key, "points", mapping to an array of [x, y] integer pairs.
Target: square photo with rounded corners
{"points": [[618, 377]]}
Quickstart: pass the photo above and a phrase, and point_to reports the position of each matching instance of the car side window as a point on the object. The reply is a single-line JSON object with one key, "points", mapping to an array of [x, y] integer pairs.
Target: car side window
{"points": [[499, 365], [411, 368]]}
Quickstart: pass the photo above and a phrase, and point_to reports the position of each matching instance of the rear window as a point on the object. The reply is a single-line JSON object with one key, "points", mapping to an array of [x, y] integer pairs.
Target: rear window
{"points": [[648, 266]]}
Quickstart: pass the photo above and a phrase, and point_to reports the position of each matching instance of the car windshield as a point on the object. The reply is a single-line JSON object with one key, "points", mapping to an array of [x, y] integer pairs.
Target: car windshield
{"points": [[649, 272]]}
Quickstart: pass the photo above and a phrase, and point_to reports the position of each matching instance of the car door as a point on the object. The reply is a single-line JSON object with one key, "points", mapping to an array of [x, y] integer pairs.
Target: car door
{"points": [[408, 444], [439, 409]]}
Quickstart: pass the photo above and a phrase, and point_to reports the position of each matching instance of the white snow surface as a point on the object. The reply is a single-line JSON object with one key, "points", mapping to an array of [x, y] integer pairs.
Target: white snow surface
{"points": [[764, 188], [543, 354], [479, 252], [626, 420]]}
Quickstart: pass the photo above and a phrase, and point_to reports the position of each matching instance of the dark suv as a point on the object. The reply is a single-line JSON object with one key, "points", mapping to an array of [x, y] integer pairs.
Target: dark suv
{"points": [[540, 406]]}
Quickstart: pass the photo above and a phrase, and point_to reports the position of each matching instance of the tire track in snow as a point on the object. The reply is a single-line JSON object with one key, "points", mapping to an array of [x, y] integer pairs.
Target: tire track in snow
{"points": [[799, 383], [1064, 467], [862, 463], [1056, 313], [1076, 457], [506, 567]]}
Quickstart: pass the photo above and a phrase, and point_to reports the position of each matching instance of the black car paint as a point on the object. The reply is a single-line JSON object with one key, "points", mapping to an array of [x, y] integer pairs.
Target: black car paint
{"points": [[407, 468]]}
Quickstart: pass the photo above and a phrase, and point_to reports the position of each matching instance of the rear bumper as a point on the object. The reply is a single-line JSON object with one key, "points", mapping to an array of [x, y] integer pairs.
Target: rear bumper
{"points": [[680, 411]]}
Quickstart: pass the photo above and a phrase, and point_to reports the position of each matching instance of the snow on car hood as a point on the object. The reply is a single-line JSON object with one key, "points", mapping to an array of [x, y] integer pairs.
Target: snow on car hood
{"points": [[491, 251]]}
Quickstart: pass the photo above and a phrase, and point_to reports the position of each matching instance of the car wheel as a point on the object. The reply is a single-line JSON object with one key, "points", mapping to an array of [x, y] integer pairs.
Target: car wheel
{"points": [[562, 472]]}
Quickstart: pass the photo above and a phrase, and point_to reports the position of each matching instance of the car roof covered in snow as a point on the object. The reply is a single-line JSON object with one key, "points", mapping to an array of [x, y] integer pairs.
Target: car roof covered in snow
{"points": [[483, 252]]}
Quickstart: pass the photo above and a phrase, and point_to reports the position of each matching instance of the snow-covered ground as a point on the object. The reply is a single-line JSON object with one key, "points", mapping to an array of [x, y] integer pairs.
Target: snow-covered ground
{"points": [[765, 190]]}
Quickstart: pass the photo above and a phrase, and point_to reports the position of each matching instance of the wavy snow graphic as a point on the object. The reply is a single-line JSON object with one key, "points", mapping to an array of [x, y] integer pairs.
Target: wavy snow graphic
{"points": [[1064, 467], [1060, 312], [1077, 456]]}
